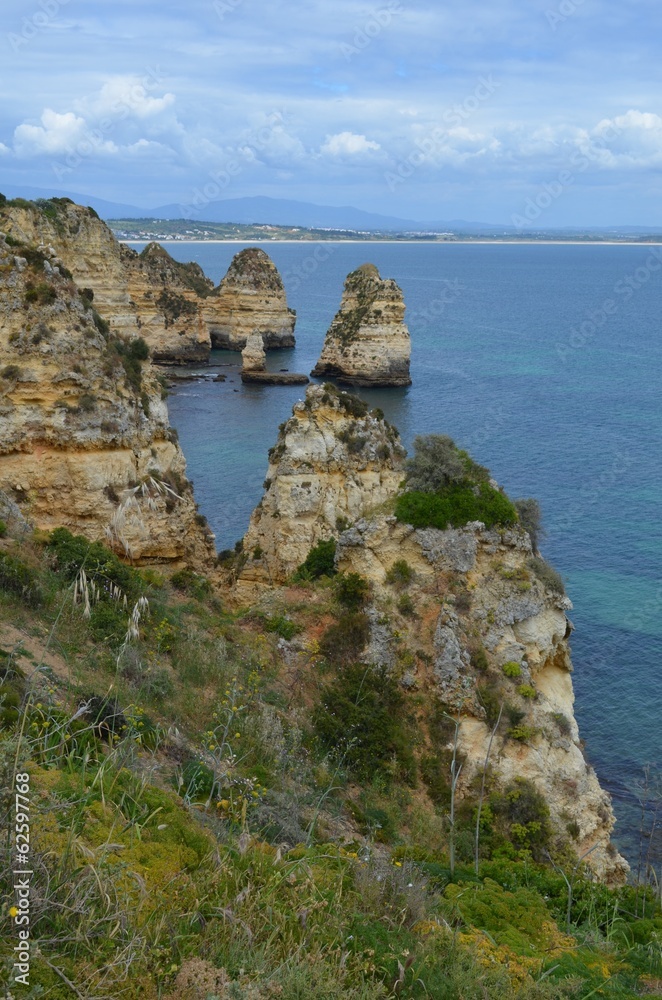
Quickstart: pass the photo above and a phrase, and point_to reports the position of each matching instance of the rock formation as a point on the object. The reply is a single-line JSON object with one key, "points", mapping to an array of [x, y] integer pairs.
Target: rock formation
{"points": [[84, 435], [173, 306], [253, 366], [333, 462], [459, 616], [253, 356], [251, 299], [367, 342]]}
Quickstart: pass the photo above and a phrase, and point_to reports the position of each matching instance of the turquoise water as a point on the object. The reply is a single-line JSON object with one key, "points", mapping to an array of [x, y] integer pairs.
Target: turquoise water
{"points": [[545, 361]]}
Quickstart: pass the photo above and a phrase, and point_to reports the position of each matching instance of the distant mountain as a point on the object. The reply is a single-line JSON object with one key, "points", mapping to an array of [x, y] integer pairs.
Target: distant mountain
{"points": [[284, 212], [106, 209]]}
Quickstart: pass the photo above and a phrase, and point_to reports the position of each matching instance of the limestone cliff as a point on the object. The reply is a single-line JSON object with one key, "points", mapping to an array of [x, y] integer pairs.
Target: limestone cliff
{"points": [[84, 435], [332, 463], [173, 306], [169, 298], [368, 342], [250, 300], [463, 616]]}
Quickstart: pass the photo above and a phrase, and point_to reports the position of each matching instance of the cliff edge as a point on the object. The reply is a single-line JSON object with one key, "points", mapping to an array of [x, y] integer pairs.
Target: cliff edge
{"points": [[465, 615]]}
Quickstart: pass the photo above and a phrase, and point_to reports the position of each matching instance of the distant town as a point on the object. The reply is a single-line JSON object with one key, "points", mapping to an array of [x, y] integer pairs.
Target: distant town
{"points": [[186, 230]]}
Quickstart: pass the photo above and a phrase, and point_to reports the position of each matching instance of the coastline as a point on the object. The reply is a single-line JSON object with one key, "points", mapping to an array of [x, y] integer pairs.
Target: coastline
{"points": [[578, 243]]}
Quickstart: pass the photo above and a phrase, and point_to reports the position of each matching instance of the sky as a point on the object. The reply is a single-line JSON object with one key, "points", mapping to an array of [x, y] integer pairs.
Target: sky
{"points": [[534, 113]]}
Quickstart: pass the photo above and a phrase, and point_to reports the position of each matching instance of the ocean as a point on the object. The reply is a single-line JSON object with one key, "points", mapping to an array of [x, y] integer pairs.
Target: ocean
{"points": [[545, 361]]}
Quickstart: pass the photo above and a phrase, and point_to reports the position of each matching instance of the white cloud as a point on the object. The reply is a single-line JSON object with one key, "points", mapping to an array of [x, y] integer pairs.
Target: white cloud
{"points": [[127, 95], [56, 134], [4, 150], [344, 145]]}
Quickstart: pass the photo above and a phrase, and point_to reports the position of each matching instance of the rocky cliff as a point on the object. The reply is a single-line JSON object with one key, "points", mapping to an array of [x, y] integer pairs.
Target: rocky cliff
{"points": [[173, 306], [250, 300], [84, 434], [465, 617], [368, 342], [332, 463]]}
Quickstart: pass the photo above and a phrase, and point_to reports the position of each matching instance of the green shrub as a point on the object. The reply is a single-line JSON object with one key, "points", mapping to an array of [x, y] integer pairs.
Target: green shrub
{"points": [[344, 641], [478, 656], [191, 583], [522, 733], [530, 517], [362, 711], [351, 590], [282, 626], [11, 372], [406, 606], [20, 579], [437, 463], [400, 575], [320, 561], [71, 552], [512, 669], [547, 574], [109, 622], [525, 813], [526, 691], [491, 701], [455, 506], [43, 293], [3, 529]]}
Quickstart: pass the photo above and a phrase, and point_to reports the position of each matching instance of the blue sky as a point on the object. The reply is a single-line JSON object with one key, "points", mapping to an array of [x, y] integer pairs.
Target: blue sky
{"points": [[542, 111]]}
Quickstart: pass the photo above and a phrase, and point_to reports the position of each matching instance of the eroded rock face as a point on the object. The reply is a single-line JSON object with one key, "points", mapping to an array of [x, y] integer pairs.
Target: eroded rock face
{"points": [[368, 342], [253, 356], [173, 306], [250, 300], [333, 461], [147, 294], [170, 299], [476, 605], [84, 435]]}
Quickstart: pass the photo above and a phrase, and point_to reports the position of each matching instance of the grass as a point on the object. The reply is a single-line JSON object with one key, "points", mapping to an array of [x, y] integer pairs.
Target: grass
{"points": [[210, 818]]}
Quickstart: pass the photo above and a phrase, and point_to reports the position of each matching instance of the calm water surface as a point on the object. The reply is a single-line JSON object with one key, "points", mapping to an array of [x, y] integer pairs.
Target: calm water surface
{"points": [[565, 412]]}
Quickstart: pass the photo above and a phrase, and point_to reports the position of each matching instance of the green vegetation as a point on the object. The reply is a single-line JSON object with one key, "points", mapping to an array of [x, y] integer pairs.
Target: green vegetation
{"points": [[208, 821], [445, 488], [547, 575], [455, 506], [512, 669], [530, 517], [361, 718], [174, 306], [400, 574], [320, 561]]}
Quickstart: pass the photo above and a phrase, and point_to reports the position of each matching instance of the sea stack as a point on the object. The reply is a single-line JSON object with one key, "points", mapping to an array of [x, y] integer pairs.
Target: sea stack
{"points": [[368, 342], [333, 461], [250, 299]]}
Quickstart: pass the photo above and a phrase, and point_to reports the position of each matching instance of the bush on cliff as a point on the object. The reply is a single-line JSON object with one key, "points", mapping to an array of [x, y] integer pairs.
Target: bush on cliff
{"points": [[446, 488], [362, 717], [454, 506], [320, 561]]}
